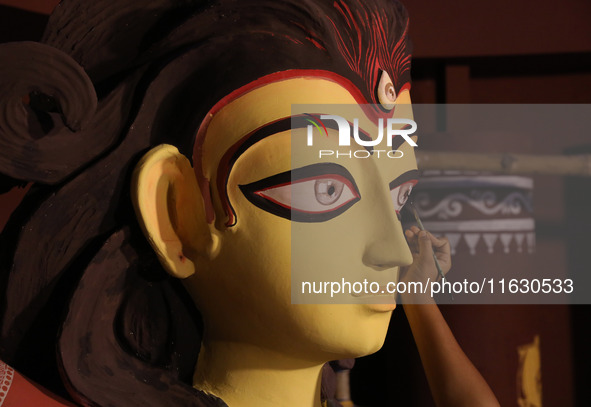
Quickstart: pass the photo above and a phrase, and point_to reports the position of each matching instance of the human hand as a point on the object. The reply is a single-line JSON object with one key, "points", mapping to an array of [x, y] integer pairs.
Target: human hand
{"points": [[423, 245]]}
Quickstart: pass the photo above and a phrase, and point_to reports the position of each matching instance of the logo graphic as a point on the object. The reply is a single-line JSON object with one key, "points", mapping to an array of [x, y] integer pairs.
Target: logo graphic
{"points": [[315, 122], [394, 127]]}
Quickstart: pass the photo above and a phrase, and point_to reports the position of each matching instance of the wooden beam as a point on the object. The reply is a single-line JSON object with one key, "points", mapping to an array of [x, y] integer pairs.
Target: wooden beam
{"points": [[508, 163]]}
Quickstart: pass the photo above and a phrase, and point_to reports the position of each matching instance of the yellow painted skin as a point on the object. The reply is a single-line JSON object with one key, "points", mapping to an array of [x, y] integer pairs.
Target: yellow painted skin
{"points": [[261, 241], [260, 349]]}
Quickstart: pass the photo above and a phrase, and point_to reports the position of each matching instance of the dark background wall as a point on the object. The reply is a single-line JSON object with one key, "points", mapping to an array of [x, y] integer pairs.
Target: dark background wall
{"points": [[478, 52], [519, 52]]}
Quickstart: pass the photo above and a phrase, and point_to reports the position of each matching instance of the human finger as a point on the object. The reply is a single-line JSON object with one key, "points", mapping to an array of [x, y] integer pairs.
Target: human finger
{"points": [[411, 238], [442, 250], [425, 249], [438, 241]]}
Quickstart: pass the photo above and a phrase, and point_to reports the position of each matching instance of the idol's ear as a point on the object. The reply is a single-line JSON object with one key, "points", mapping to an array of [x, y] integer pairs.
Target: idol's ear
{"points": [[170, 209]]}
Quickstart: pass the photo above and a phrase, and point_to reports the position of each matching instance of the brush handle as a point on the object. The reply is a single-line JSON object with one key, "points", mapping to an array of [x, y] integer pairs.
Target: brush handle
{"points": [[420, 225]]}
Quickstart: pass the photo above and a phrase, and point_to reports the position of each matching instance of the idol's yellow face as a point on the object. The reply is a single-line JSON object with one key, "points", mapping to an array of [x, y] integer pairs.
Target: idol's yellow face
{"points": [[295, 212]]}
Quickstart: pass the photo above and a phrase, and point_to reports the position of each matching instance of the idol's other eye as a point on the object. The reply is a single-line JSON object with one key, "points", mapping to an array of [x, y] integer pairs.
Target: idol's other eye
{"points": [[401, 193], [315, 193], [386, 91], [401, 188]]}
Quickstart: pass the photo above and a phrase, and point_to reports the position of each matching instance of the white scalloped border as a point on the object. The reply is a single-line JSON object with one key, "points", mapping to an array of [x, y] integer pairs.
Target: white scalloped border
{"points": [[6, 377]]}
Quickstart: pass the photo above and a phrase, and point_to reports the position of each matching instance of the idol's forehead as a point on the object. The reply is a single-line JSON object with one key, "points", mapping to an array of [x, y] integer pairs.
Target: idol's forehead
{"points": [[237, 121], [271, 99]]}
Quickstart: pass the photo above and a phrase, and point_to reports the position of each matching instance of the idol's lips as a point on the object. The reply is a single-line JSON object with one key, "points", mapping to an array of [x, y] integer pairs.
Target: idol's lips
{"points": [[381, 292]]}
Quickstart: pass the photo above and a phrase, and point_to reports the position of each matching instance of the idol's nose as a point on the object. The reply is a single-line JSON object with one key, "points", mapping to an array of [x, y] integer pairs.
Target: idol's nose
{"points": [[386, 245]]}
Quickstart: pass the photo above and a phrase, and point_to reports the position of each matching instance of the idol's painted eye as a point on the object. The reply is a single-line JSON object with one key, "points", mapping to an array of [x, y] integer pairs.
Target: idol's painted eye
{"points": [[315, 193], [401, 193], [386, 91], [401, 188], [320, 194]]}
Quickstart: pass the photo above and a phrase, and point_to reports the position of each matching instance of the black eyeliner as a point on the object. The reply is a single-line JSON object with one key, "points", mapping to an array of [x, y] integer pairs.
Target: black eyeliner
{"points": [[411, 175], [292, 176]]}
